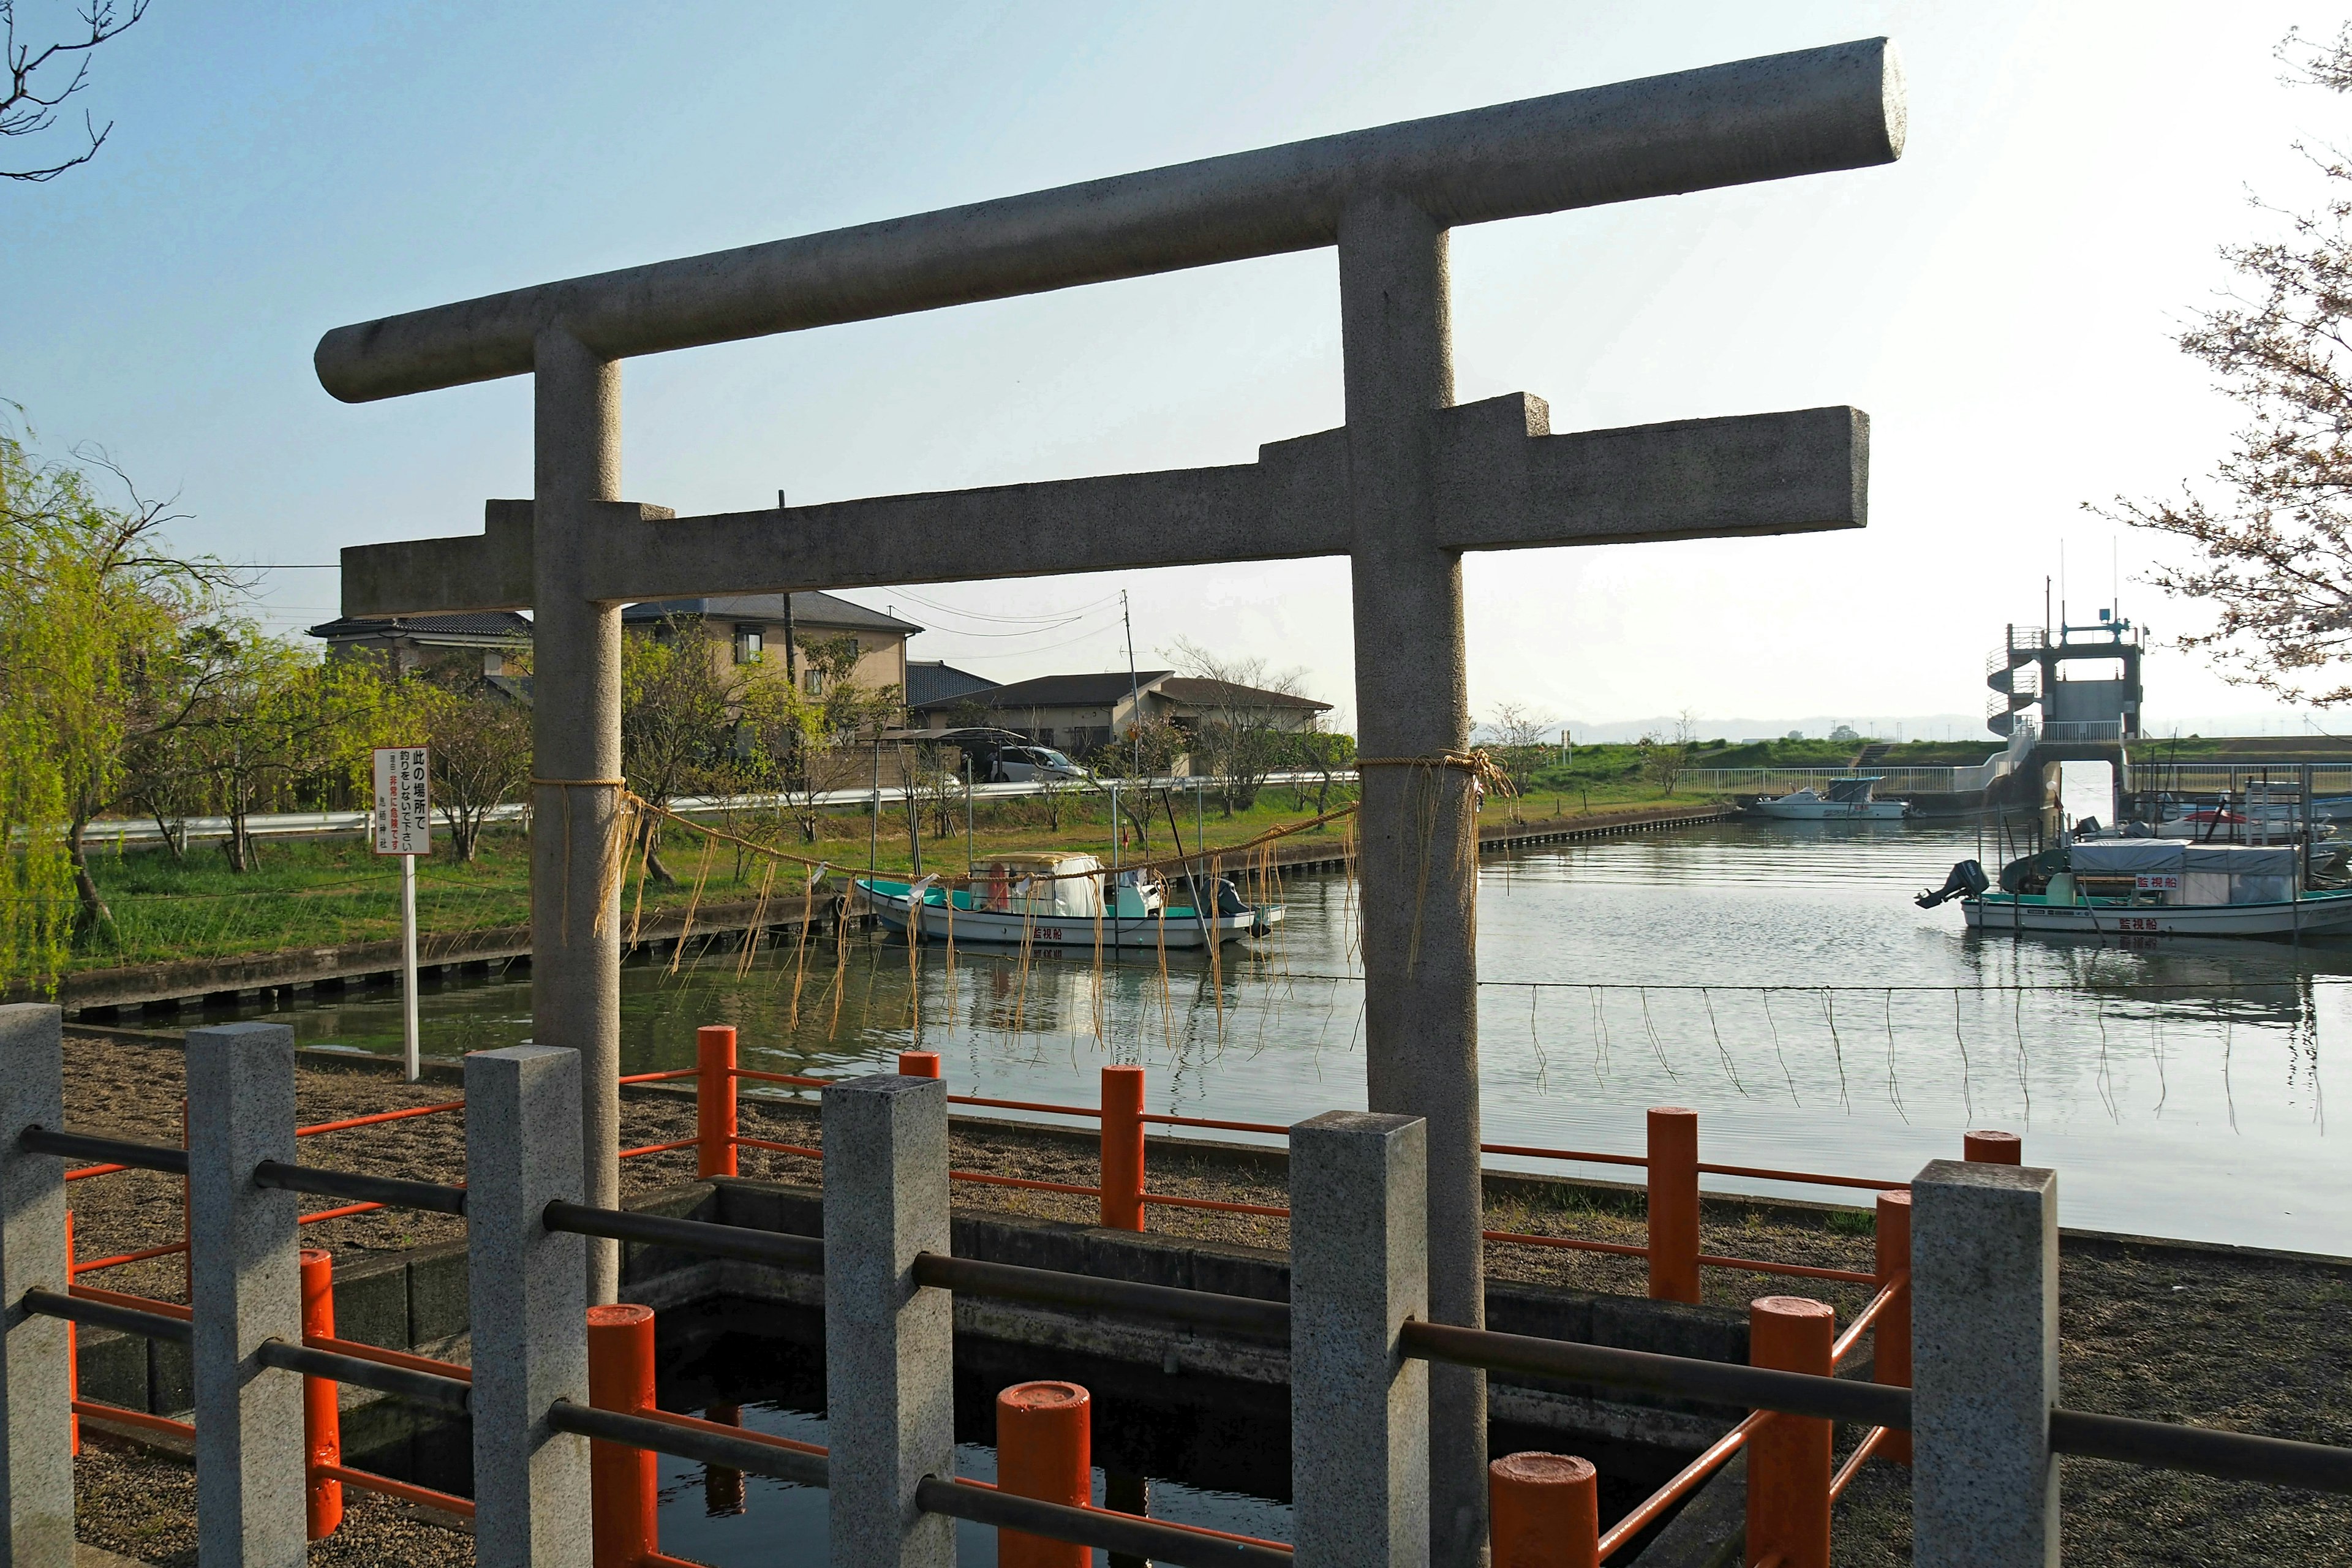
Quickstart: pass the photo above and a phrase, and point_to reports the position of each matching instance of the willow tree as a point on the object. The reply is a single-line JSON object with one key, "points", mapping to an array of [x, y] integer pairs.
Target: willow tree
{"points": [[105, 644], [2270, 537]]}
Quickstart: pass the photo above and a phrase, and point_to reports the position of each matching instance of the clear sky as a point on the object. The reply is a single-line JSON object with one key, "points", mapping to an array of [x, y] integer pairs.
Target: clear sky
{"points": [[2001, 301]]}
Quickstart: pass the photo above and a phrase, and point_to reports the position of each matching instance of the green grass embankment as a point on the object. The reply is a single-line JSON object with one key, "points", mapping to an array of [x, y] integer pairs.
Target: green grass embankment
{"points": [[324, 892]]}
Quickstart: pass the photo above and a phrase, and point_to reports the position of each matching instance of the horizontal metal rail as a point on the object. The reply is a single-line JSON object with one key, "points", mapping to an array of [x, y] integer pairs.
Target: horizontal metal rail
{"points": [[135, 1303], [106, 1315], [377, 1353], [113, 1151], [805, 1252], [734, 1451], [1868, 1317], [397, 1192], [1687, 1377], [378, 1117], [1052, 1288], [367, 1482], [2232, 1455], [97, 1410], [1685, 1481], [402, 1383], [1873, 1440], [1130, 1535]]}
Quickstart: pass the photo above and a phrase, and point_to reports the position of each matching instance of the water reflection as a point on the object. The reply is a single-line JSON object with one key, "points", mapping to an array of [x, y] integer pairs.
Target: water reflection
{"points": [[1775, 978]]}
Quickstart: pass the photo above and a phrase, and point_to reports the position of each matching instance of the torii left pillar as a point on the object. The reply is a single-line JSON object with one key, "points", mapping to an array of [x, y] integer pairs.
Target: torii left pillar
{"points": [[575, 736]]}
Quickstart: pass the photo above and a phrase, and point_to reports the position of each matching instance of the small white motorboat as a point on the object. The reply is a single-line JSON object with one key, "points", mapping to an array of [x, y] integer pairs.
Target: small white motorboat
{"points": [[1057, 899], [1848, 800], [2136, 890]]}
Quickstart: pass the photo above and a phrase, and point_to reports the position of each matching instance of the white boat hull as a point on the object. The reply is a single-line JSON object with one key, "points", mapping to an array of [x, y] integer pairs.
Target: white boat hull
{"points": [[1786, 810], [1180, 931], [2323, 915]]}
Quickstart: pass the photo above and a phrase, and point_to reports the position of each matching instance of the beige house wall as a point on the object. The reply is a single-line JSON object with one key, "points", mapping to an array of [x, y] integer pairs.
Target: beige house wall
{"points": [[881, 659]]}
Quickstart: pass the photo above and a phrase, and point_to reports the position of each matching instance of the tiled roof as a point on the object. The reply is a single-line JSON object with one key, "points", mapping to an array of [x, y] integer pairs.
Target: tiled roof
{"points": [[809, 609], [936, 680], [1070, 690], [1194, 692], [505, 623]]}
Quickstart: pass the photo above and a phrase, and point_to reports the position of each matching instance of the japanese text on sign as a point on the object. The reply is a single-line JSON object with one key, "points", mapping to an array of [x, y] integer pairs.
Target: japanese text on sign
{"points": [[404, 822], [2158, 882]]}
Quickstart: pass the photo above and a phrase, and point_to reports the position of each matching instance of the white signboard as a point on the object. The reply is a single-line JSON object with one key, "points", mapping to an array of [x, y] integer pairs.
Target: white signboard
{"points": [[2157, 881], [404, 821]]}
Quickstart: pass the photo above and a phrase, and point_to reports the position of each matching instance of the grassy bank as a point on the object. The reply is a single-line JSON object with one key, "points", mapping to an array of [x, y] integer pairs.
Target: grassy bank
{"points": [[323, 892]]}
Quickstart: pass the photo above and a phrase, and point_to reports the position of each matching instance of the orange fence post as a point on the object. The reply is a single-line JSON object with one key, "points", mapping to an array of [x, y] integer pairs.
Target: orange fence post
{"points": [[73, 1367], [1992, 1148], [919, 1064], [622, 1519], [322, 1422], [1788, 1456], [1042, 1445], [1544, 1511], [1890, 1351], [714, 1100], [1674, 1204], [1122, 1148]]}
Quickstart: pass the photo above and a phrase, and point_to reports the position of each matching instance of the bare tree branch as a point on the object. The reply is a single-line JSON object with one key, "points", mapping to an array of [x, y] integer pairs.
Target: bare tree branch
{"points": [[2273, 541], [29, 104]]}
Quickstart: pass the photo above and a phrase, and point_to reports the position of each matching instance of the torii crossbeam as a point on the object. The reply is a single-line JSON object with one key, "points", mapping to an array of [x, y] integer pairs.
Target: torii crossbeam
{"points": [[1410, 483]]}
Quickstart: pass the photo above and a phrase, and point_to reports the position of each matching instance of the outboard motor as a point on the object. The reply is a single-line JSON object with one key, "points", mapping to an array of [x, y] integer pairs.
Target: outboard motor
{"points": [[1966, 880], [1229, 898]]}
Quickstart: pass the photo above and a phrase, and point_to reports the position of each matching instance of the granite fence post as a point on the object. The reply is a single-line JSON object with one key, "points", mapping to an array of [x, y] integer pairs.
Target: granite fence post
{"points": [[889, 1344], [245, 1276], [527, 1292], [1358, 1407], [1984, 1326], [36, 1396]]}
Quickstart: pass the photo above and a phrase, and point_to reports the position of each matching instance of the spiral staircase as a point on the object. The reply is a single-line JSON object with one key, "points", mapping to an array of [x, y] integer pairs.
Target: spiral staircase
{"points": [[2013, 671]]}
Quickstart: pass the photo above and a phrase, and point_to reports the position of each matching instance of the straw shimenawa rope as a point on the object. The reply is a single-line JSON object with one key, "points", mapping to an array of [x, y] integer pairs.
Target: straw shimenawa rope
{"points": [[635, 803], [1487, 774], [622, 831], [608, 883], [1478, 763]]}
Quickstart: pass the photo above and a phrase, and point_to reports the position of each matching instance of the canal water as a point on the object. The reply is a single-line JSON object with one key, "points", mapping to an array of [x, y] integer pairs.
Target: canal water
{"points": [[1776, 977]]}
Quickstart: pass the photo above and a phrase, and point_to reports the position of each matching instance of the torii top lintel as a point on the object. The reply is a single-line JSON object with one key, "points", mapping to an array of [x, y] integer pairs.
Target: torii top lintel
{"points": [[1810, 112]]}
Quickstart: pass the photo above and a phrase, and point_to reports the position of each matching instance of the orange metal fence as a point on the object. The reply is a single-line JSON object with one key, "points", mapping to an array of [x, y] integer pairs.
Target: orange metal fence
{"points": [[1791, 1490]]}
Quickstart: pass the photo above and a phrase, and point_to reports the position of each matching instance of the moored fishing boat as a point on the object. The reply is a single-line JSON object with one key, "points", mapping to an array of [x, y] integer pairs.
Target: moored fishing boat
{"points": [[1064, 900], [1848, 800], [2136, 889]]}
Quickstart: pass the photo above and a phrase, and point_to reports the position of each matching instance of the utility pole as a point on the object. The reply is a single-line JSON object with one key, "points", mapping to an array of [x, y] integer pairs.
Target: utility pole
{"points": [[1135, 722]]}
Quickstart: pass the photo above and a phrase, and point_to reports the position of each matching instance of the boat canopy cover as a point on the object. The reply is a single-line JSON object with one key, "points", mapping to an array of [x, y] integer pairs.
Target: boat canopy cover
{"points": [[2133, 856], [1074, 891], [1851, 791], [2125, 857], [2241, 859]]}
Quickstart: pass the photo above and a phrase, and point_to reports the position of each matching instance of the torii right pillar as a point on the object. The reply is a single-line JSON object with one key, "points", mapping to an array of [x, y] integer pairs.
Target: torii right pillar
{"points": [[1418, 862]]}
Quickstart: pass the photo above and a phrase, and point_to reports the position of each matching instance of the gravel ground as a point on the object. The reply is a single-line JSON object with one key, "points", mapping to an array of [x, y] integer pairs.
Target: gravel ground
{"points": [[143, 1504], [2230, 1340]]}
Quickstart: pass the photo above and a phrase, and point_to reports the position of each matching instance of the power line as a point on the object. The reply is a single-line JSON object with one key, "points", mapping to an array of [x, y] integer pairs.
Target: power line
{"points": [[1066, 615]]}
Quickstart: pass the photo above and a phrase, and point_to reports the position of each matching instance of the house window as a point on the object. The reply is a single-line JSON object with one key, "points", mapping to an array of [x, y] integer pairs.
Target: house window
{"points": [[813, 681], [750, 641]]}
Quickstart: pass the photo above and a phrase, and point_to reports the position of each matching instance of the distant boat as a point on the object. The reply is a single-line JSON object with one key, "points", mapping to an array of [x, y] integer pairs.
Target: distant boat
{"points": [[1059, 901], [1848, 800], [2141, 889]]}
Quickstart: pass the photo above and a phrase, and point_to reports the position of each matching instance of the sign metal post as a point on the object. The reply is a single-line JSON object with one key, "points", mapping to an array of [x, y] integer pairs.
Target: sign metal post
{"points": [[404, 827]]}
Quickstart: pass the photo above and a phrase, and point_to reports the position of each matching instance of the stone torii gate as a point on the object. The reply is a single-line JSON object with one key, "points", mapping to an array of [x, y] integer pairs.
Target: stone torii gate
{"points": [[1411, 482]]}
